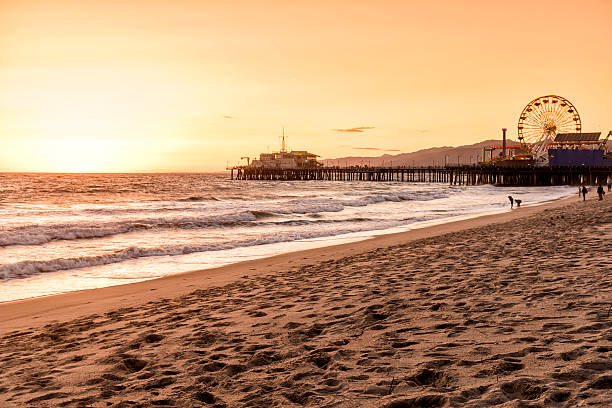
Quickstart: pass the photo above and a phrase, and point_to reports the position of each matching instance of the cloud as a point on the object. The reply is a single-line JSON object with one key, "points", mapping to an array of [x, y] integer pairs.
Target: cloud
{"points": [[376, 148], [228, 117], [359, 129]]}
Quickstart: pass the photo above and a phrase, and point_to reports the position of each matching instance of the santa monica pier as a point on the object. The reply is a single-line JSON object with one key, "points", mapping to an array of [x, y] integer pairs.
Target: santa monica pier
{"points": [[552, 150]]}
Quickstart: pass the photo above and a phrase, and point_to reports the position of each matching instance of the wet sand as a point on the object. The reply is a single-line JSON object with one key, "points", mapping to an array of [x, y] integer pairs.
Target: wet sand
{"points": [[508, 310]]}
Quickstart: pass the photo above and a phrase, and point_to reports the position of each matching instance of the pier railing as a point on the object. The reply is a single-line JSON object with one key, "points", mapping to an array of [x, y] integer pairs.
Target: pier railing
{"points": [[454, 175]]}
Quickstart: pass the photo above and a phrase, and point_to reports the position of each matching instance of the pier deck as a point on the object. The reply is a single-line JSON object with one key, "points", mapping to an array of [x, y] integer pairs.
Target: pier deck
{"points": [[454, 175]]}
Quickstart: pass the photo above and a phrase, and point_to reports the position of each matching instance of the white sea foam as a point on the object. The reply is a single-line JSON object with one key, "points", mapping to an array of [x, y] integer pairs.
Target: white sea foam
{"points": [[28, 268], [40, 234], [36, 234]]}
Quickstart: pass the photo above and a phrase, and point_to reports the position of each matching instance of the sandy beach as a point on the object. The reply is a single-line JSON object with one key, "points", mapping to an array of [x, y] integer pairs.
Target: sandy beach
{"points": [[508, 310]]}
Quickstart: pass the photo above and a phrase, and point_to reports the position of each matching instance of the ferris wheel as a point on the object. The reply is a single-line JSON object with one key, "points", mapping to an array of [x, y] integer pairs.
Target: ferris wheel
{"points": [[542, 119]]}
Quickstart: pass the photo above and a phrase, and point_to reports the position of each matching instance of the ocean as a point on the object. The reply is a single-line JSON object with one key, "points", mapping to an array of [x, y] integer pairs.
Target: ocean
{"points": [[66, 232]]}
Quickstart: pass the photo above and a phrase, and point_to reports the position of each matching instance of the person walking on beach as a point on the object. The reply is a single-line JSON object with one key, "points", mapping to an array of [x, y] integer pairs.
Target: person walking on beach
{"points": [[511, 201], [600, 192], [584, 192]]}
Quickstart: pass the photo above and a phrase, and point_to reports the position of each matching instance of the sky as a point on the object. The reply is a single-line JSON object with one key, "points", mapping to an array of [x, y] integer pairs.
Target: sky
{"points": [[131, 86]]}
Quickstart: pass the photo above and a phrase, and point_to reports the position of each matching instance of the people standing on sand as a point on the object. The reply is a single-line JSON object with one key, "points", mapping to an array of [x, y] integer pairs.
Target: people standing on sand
{"points": [[600, 192], [511, 201], [584, 192]]}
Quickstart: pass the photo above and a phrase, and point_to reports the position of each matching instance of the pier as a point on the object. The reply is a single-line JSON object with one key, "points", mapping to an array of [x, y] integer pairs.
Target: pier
{"points": [[453, 175]]}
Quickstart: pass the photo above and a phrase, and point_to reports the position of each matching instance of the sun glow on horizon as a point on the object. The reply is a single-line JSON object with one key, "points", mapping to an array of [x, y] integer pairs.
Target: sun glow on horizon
{"points": [[75, 139], [79, 155]]}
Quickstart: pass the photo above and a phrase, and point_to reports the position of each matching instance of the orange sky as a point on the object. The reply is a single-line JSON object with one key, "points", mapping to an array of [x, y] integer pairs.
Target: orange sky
{"points": [[189, 85]]}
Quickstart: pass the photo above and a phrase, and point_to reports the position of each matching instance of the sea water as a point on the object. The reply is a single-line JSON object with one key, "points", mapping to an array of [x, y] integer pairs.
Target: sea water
{"points": [[65, 232]]}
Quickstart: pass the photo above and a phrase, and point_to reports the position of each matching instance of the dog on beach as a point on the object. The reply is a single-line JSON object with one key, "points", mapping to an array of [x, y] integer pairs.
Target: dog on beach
{"points": [[513, 201]]}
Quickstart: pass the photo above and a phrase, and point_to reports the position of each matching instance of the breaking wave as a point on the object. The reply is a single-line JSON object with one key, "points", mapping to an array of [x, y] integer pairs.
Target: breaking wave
{"points": [[29, 268], [42, 234]]}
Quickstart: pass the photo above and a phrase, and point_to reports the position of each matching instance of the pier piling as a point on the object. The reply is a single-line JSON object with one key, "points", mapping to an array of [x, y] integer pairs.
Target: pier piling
{"points": [[453, 175]]}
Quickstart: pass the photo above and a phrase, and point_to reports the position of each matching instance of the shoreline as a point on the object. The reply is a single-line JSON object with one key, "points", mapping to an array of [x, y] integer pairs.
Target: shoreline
{"points": [[33, 286], [55, 305]]}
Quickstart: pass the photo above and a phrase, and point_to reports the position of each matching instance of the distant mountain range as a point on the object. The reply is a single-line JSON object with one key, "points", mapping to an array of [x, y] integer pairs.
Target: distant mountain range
{"points": [[435, 156]]}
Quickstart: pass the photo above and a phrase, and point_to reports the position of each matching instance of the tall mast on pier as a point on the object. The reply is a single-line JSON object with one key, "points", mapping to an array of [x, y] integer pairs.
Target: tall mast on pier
{"points": [[283, 147]]}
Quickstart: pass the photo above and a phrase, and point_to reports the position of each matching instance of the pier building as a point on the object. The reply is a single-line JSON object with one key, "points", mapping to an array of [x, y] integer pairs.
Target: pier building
{"points": [[283, 159]]}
